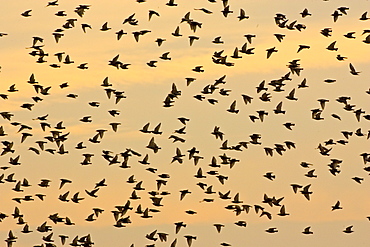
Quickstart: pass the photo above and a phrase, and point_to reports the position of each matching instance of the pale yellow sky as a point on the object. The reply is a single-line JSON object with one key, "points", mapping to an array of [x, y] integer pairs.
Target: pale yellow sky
{"points": [[145, 89]]}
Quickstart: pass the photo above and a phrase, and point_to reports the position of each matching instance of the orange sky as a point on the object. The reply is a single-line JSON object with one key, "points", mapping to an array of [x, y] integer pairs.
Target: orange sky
{"points": [[145, 89]]}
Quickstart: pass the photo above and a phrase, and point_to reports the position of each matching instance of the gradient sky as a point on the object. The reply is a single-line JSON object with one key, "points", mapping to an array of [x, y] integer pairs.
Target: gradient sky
{"points": [[146, 88]]}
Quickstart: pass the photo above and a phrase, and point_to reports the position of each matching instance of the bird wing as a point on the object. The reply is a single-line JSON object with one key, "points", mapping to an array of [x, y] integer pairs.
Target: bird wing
{"points": [[242, 12], [278, 107], [352, 68], [156, 129], [233, 105]]}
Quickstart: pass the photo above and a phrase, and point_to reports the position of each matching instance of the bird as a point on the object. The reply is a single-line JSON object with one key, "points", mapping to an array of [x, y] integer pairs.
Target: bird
{"points": [[64, 181], [336, 206], [183, 120], [52, 3], [26, 13], [178, 226], [358, 179], [120, 33], [176, 33], [364, 17], [241, 223], [226, 11], [270, 51], [12, 89], [63, 197], [301, 47], [131, 20], [278, 109], [136, 35], [26, 229], [270, 176], [152, 145], [105, 27], [92, 193], [183, 193], [198, 69], [271, 230], [101, 183], [367, 39], [224, 196], [307, 230], [171, 3], [305, 191], [232, 108], [247, 99], [266, 97], [205, 10], [165, 56], [84, 26], [349, 35], [305, 13], [279, 37], [153, 12], [261, 114], [343, 10], [218, 227], [289, 125], [159, 41], [249, 37], [353, 70], [82, 66], [348, 229], [335, 15], [189, 239], [217, 40], [242, 15], [341, 58], [192, 38], [152, 63], [295, 187], [310, 174], [57, 37], [332, 47], [330, 80]]}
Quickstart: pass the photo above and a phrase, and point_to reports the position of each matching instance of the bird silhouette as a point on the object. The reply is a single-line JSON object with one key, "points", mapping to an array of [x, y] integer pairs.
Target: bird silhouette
{"points": [[105, 27], [336, 206], [364, 17], [26, 13], [332, 47], [270, 51], [307, 230], [353, 70]]}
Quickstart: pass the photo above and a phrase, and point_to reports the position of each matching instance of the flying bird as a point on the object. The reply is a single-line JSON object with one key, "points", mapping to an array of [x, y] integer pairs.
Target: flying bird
{"points": [[270, 51], [151, 13], [305, 13], [336, 206], [176, 33], [353, 70], [305, 191], [105, 27], [242, 15], [26, 13], [364, 17], [332, 47], [307, 230]]}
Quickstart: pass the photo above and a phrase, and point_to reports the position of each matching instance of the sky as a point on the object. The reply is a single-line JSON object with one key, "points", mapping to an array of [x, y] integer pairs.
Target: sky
{"points": [[144, 90]]}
